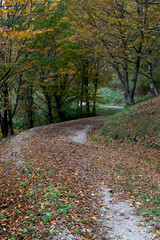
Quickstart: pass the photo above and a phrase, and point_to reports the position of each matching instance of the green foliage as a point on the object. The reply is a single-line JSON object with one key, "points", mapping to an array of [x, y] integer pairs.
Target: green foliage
{"points": [[113, 96], [107, 111], [44, 50]]}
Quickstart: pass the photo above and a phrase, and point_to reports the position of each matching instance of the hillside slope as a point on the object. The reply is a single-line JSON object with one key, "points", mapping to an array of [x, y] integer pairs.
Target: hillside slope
{"points": [[138, 123]]}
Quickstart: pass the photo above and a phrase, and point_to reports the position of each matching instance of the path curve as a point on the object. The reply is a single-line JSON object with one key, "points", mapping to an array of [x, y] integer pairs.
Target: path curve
{"points": [[119, 217], [88, 162]]}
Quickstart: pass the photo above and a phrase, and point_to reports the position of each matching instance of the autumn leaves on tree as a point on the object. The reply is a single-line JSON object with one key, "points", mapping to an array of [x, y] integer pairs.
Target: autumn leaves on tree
{"points": [[128, 32], [54, 54]]}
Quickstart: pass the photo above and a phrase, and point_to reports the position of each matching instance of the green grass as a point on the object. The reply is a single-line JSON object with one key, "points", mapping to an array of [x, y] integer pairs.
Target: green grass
{"points": [[110, 97], [140, 123], [105, 111], [116, 98]]}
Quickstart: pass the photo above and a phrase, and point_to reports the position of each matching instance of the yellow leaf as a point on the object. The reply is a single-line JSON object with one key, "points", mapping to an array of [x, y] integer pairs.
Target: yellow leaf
{"points": [[138, 203], [94, 218], [52, 221], [65, 201]]}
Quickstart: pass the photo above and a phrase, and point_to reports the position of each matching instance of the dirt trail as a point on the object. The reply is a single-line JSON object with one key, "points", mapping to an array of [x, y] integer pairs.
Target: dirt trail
{"points": [[112, 107], [88, 169], [120, 217]]}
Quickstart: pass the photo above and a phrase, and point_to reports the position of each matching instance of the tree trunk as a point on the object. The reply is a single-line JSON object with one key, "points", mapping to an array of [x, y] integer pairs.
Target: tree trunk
{"points": [[85, 82], [95, 94], [151, 80], [48, 99], [30, 109], [129, 91], [30, 116], [153, 87], [4, 117], [61, 115], [11, 127], [10, 122], [4, 126], [1, 123], [59, 110], [81, 101], [49, 106], [129, 99]]}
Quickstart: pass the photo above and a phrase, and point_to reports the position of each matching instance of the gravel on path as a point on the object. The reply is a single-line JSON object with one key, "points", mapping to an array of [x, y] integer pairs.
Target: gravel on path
{"points": [[119, 218]]}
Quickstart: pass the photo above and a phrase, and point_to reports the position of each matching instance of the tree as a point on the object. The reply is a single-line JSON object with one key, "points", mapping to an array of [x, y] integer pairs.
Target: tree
{"points": [[123, 28], [14, 34], [52, 55], [23, 25]]}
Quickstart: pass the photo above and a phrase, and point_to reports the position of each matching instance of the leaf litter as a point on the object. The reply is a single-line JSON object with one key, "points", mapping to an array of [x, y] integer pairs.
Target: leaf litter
{"points": [[56, 193]]}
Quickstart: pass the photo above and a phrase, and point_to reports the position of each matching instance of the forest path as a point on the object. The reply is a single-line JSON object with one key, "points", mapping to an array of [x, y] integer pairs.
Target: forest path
{"points": [[106, 107], [89, 169]]}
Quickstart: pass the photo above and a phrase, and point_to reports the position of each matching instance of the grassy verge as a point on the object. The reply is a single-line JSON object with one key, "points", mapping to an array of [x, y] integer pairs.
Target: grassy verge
{"points": [[109, 111], [138, 123], [137, 172], [109, 97]]}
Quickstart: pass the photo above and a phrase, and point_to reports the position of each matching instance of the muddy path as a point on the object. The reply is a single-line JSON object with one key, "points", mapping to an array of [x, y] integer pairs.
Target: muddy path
{"points": [[88, 169]]}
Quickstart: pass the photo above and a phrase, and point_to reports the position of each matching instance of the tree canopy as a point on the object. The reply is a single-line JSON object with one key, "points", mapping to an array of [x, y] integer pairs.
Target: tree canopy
{"points": [[54, 55]]}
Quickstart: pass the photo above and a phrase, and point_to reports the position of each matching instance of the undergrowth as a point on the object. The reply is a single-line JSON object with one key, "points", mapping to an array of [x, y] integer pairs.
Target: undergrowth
{"points": [[116, 98]]}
